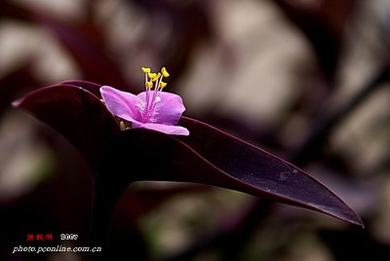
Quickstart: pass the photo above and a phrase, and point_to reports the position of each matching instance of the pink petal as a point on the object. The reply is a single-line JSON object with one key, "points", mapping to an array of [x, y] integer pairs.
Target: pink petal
{"points": [[169, 109], [122, 104], [167, 129]]}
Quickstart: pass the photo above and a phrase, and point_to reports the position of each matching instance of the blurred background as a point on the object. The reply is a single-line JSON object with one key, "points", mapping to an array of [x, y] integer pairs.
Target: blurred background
{"points": [[305, 79]]}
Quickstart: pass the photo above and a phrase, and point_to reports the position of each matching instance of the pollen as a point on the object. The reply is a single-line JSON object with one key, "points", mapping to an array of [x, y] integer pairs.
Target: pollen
{"points": [[146, 69], [152, 76], [149, 84], [155, 79], [162, 84], [164, 72]]}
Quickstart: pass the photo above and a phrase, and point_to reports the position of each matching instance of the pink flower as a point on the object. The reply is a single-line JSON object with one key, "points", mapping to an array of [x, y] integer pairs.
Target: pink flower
{"points": [[151, 109]]}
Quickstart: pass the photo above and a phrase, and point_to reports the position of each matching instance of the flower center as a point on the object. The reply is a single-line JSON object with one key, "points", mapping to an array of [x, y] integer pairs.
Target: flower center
{"points": [[153, 87]]}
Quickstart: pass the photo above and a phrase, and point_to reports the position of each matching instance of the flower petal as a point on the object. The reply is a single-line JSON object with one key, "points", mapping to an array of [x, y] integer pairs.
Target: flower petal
{"points": [[122, 104], [169, 108], [167, 129]]}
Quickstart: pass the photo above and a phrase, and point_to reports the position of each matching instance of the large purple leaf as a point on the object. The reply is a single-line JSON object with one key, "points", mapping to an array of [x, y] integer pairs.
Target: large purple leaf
{"points": [[208, 156], [265, 172], [75, 113]]}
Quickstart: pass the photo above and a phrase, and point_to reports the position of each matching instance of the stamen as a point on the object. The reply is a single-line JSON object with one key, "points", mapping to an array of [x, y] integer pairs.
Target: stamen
{"points": [[162, 84], [146, 69], [154, 76], [164, 72], [156, 95], [148, 84], [159, 85]]}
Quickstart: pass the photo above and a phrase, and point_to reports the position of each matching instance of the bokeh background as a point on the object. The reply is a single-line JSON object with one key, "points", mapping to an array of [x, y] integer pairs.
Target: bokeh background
{"points": [[305, 79]]}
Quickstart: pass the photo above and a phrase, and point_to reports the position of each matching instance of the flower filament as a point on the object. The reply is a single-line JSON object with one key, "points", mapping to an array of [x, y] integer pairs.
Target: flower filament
{"points": [[153, 87]]}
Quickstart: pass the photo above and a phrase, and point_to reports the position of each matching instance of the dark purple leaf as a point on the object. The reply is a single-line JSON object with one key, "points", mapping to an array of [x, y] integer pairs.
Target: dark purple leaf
{"points": [[75, 113], [207, 156], [268, 174]]}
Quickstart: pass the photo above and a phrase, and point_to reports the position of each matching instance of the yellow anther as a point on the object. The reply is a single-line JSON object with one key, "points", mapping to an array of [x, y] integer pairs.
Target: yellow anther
{"points": [[146, 69], [164, 72], [149, 84], [155, 78], [152, 76], [162, 84]]}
